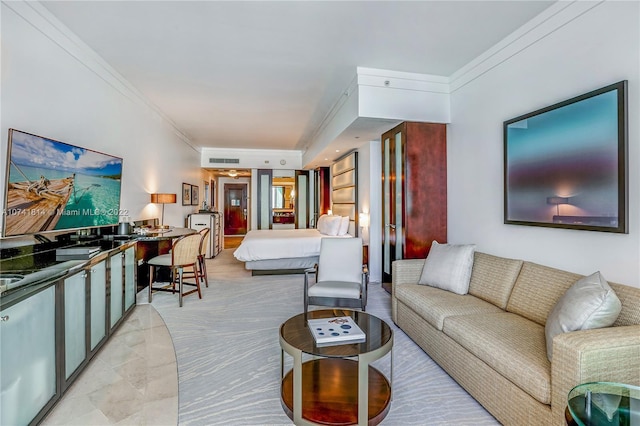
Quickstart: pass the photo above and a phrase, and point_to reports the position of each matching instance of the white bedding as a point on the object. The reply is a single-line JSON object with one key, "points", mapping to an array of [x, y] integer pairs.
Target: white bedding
{"points": [[280, 243]]}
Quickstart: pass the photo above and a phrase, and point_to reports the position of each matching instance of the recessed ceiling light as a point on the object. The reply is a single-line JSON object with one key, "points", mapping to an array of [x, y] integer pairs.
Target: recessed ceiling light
{"points": [[337, 150]]}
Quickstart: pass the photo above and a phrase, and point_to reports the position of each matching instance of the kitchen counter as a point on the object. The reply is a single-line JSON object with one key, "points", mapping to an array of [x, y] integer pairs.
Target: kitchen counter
{"points": [[26, 269]]}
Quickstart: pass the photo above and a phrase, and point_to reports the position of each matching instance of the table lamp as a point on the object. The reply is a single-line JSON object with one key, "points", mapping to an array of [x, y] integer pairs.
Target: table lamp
{"points": [[163, 199]]}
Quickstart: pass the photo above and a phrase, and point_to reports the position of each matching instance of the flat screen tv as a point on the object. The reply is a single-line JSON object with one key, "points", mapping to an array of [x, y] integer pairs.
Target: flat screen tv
{"points": [[53, 186], [565, 166]]}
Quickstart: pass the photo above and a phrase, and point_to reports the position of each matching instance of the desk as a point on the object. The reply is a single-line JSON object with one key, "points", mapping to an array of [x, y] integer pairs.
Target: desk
{"points": [[155, 242]]}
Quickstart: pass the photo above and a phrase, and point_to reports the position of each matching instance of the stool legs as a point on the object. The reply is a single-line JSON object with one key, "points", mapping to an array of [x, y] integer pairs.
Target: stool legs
{"points": [[151, 268]]}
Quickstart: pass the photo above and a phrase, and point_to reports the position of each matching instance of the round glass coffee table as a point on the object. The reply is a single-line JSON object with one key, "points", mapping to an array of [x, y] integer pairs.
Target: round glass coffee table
{"points": [[336, 385], [604, 403]]}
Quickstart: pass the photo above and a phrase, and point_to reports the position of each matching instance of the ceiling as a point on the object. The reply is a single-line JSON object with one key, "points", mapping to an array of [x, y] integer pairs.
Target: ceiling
{"points": [[240, 74]]}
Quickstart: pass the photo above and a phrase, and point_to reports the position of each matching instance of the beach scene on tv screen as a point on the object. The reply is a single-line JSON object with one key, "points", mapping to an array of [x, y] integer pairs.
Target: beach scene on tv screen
{"points": [[54, 186]]}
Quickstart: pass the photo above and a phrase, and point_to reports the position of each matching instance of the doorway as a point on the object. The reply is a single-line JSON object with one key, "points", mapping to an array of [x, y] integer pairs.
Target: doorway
{"points": [[235, 209]]}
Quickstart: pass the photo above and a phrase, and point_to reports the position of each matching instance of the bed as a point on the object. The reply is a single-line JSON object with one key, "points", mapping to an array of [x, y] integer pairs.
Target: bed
{"points": [[281, 251], [286, 251]]}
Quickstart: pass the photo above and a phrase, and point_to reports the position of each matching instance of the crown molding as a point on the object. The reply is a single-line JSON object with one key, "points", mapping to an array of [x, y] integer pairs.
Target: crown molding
{"points": [[547, 22], [43, 21]]}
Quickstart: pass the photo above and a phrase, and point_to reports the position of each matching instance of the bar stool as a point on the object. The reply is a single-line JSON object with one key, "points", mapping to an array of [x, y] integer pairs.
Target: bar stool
{"points": [[200, 272], [202, 266], [184, 254]]}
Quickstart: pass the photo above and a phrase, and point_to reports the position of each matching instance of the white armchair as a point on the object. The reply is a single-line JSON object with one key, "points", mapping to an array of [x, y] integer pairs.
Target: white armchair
{"points": [[341, 278]]}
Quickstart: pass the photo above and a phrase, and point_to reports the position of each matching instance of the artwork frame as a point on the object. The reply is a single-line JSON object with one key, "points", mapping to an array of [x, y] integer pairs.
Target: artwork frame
{"points": [[195, 195], [186, 194], [566, 165]]}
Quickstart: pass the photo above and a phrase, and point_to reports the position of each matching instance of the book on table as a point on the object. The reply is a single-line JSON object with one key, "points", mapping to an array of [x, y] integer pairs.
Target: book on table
{"points": [[336, 331]]}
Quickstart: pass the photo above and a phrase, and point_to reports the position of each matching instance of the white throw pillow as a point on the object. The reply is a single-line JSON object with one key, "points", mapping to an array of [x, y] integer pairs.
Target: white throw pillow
{"points": [[448, 267], [344, 226], [329, 225], [587, 304]]}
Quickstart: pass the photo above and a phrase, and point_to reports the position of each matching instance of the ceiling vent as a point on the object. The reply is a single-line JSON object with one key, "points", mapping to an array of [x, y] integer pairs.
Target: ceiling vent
{"points": [[224, 161]]}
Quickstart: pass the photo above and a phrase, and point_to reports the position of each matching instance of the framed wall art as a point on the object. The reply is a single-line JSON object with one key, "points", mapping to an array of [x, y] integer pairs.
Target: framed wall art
{"points": [[195, 195], [186, 194], [565, 166]]}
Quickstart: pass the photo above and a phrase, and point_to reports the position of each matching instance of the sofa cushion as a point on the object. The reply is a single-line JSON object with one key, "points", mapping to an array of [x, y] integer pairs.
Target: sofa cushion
{"points": [[537, 290], [434, 305], [510, 344], [448, 266], [493, 277], [589, 303]]}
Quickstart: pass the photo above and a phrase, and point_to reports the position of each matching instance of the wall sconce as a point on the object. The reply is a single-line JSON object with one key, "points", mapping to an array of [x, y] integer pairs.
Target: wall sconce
{"points": [[163, 199], [557, 201], [363, 220]]}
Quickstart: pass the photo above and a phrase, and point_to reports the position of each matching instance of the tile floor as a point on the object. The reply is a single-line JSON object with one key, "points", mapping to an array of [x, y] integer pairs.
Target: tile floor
{"points": [[133, 380]]}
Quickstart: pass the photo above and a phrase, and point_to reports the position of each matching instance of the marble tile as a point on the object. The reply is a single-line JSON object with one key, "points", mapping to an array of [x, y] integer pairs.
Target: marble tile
{"points": [[133, 380]]}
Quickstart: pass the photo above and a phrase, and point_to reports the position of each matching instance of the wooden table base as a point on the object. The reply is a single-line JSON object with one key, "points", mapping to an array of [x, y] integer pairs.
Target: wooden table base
{"points": [[330, 392]]}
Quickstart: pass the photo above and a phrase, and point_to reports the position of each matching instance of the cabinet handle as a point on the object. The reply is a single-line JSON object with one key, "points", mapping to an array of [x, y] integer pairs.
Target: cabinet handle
{"points": [[84, 275], [4, 318]]}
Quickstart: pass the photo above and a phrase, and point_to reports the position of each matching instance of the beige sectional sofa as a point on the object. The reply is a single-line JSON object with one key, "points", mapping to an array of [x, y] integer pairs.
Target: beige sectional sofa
{"points": [[492, 340]]}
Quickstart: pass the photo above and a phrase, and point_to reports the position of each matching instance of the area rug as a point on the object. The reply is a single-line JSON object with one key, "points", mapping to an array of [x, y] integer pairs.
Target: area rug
{"points": [[229, 357]]}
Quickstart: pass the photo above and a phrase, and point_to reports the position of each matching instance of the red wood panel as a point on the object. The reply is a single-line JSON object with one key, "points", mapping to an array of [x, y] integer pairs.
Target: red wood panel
{"points": [[424, 189], [425, 203]]}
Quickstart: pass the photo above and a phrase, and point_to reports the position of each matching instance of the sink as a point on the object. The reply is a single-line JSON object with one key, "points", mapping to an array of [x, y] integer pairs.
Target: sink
{"points": [[10, 278], [6, 280]]}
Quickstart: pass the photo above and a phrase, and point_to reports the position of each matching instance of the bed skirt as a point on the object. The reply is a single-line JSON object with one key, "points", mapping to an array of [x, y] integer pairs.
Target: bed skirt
{"points": [[294, 265]]}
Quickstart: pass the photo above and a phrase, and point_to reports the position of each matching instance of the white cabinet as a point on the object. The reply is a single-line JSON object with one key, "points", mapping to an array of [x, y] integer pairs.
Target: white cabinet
{"points": [[75, 320], [129, 277], [28, 357], [115, 279], [98, 303]]}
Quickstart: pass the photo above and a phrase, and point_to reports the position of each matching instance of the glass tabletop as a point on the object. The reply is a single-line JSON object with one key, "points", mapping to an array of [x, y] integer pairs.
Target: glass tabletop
{"points": [[605, 403], [295, 332]]}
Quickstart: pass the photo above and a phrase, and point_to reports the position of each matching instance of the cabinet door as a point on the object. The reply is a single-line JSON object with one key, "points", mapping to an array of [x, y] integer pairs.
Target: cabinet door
{"points": [[129, 277], [75, 331], [28, 380], [98, 303], [115, 279]]}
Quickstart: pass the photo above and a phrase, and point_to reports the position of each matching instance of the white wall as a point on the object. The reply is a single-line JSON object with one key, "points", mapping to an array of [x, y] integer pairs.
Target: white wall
{"points": [[54, 86], [593, 48]]}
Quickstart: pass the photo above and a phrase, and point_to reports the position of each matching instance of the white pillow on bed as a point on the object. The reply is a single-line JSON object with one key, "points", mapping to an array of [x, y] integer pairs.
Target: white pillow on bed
{"points": [[329, 225], [344, 226]]}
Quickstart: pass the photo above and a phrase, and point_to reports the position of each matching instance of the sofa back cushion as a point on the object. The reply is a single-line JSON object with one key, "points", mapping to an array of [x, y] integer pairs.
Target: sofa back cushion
{"points": [[630, 298], [537, 290], [493, 277]]}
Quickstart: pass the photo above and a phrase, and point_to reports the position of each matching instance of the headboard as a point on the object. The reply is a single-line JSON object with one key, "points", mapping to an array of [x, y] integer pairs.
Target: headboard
{"points": [[344, 184]]}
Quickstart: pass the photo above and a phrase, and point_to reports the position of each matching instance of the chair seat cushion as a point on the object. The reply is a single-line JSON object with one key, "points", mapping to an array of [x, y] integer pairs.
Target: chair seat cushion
{"points": [[161, 260], [342, 289]]}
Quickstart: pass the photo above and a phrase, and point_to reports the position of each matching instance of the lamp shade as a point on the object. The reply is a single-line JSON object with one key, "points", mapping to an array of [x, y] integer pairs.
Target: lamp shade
{"points": [[163, 198], [363, 220]]}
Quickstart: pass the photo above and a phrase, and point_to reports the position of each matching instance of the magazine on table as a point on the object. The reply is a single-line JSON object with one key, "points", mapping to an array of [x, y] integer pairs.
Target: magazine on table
{"points": [[336, 331]]}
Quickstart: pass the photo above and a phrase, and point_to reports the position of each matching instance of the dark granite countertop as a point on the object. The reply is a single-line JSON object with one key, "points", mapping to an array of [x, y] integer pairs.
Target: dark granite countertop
{"points": [[25, 269]]}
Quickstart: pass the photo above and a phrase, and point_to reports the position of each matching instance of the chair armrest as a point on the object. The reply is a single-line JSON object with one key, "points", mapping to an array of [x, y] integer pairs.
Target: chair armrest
{"points": [[311, 270], [609, 354]]}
